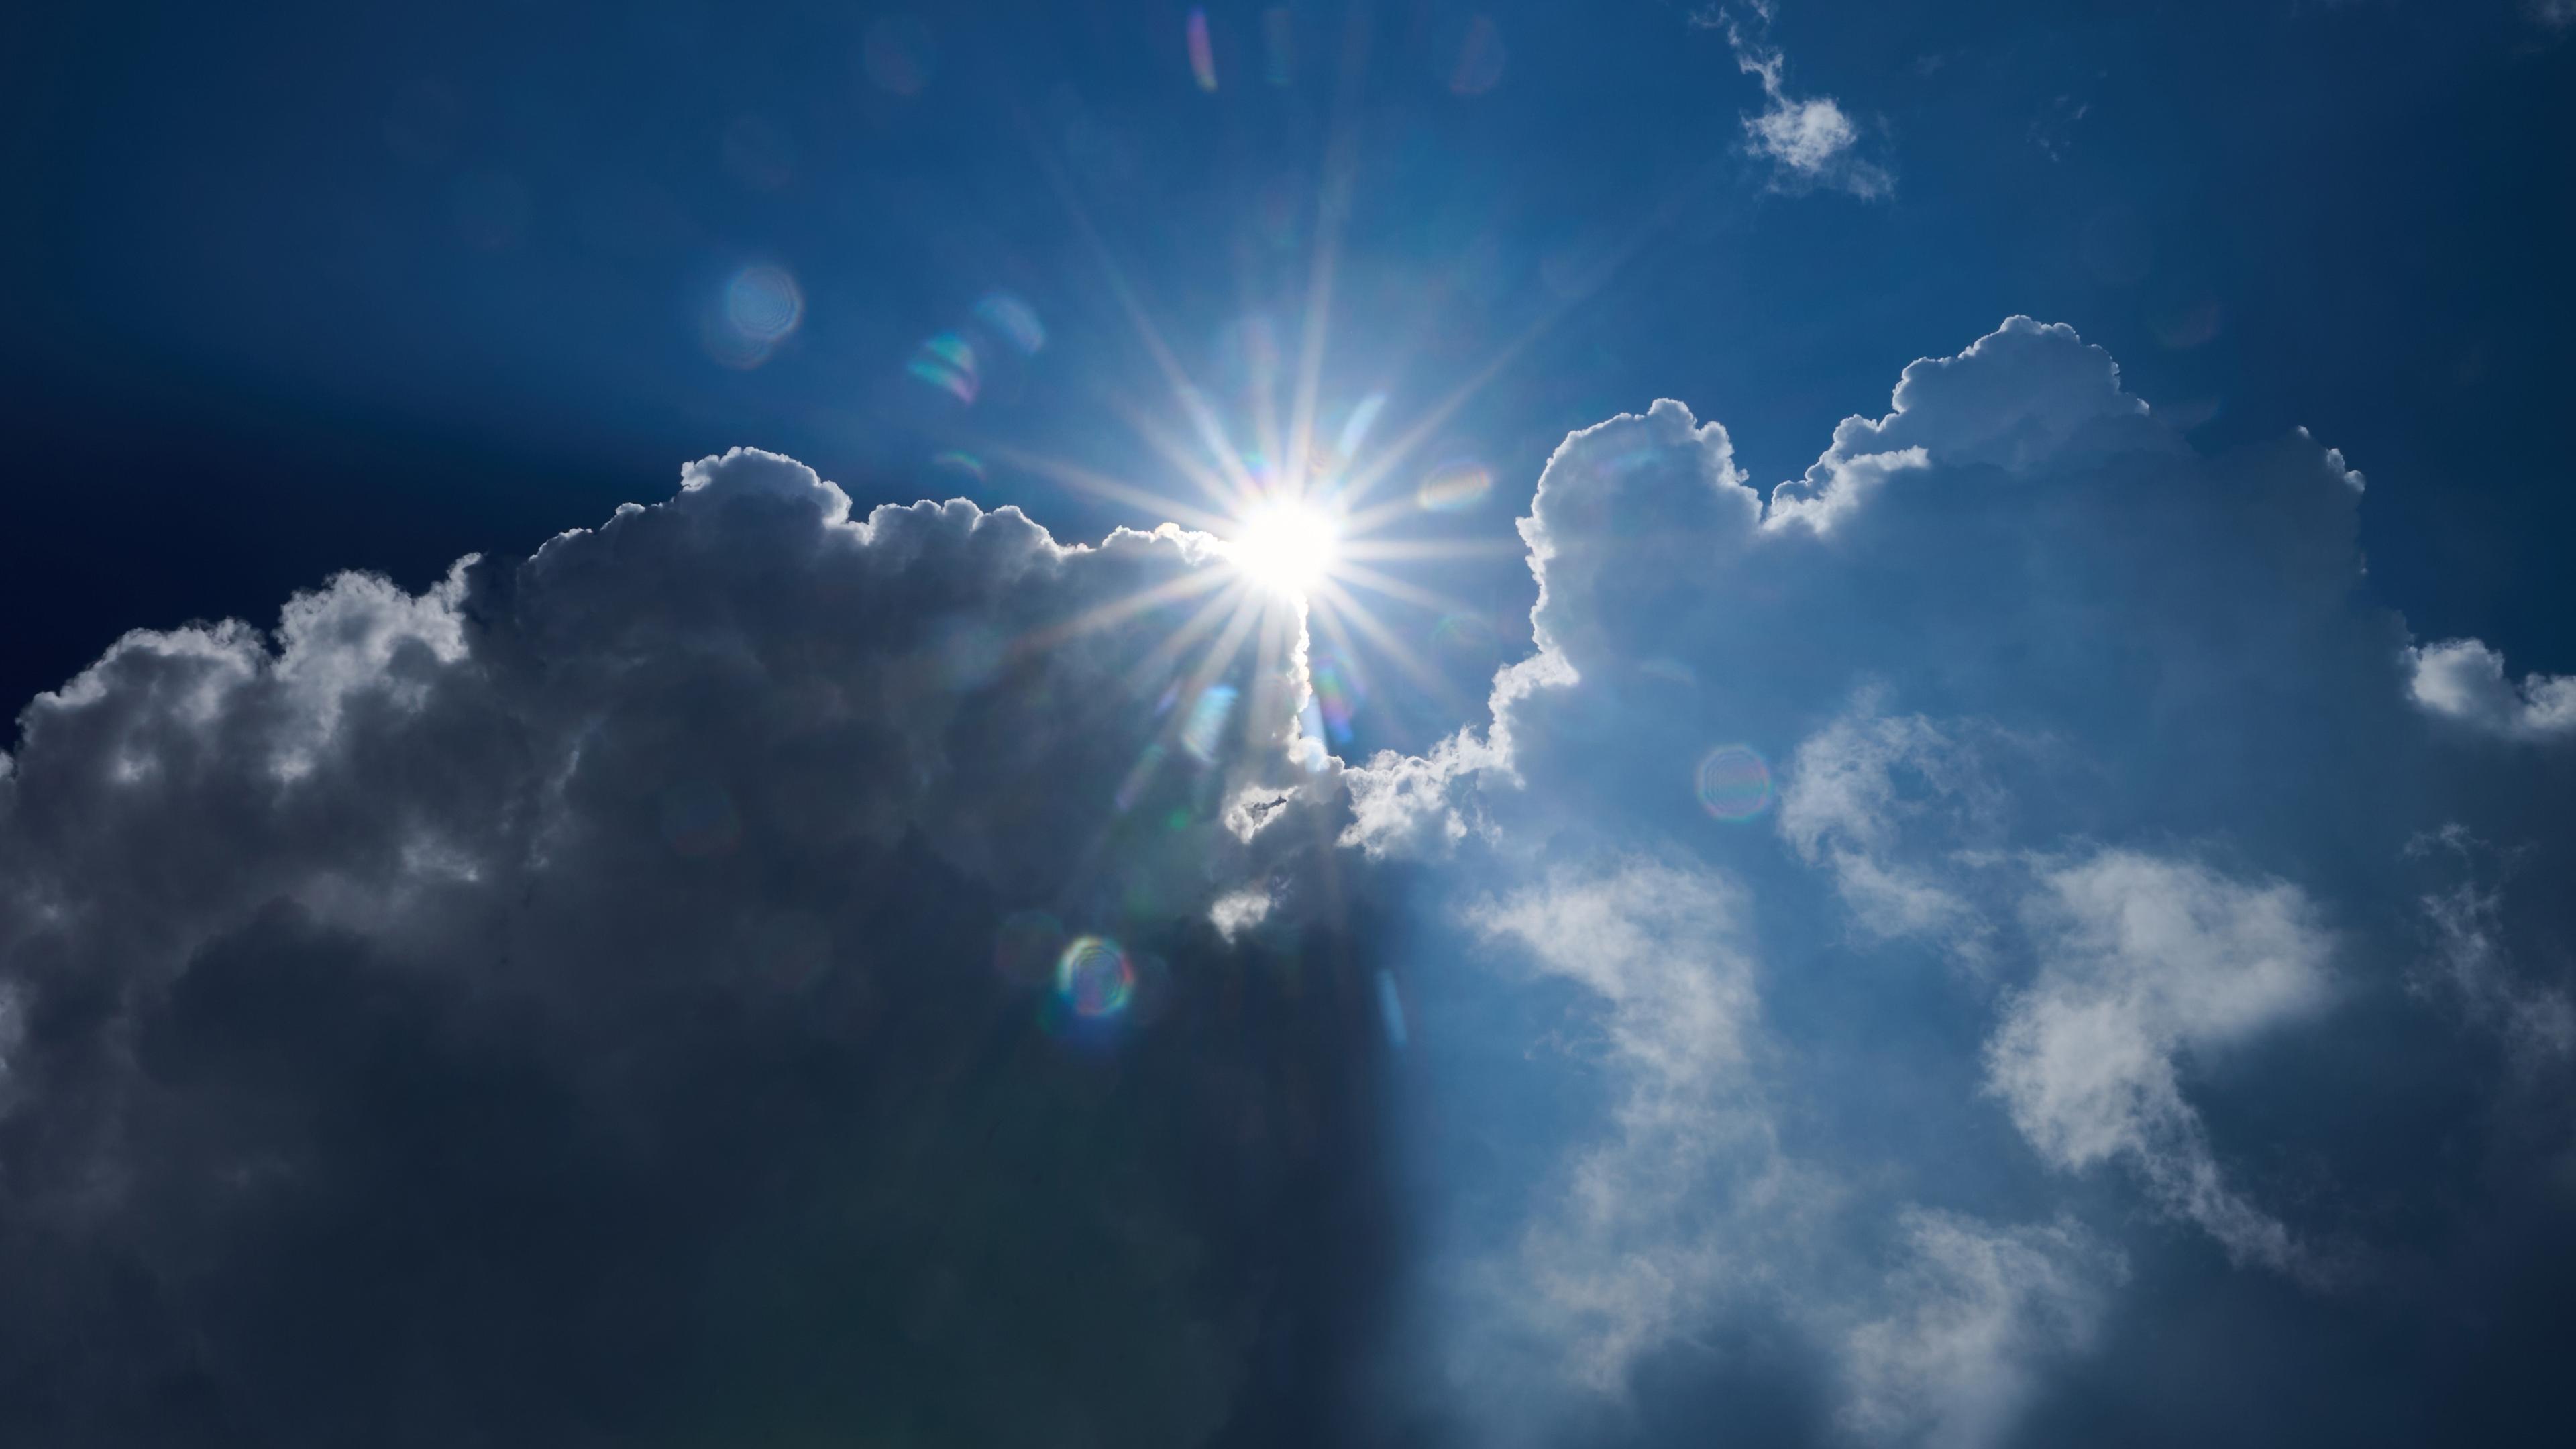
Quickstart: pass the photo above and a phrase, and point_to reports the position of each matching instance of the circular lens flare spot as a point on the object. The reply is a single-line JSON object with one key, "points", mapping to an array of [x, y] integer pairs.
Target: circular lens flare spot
{"points": [[1288, 547], [1734, 783], [763, 303], [1094, 977]]}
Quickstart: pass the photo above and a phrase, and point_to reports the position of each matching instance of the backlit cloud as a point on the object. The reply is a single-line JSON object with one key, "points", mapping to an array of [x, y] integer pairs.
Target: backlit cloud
{"points": [[2066, 816]]}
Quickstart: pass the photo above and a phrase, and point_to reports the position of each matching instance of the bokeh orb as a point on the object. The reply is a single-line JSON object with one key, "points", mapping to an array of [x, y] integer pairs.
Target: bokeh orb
{"points": [[1734, 783], [1094, 977], [763, 303]]}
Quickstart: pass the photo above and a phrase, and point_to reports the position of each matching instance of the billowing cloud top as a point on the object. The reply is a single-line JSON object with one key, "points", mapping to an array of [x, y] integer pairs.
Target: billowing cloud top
{"points": [[1995, 868], [1992, 938], [639, 994]]}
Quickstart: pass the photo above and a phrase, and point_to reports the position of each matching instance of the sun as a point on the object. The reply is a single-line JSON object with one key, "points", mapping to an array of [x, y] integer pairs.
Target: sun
{"points": [[1287, 546]]}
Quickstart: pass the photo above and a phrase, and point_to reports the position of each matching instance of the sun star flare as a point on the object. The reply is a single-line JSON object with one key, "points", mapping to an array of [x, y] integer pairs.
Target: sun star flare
{"points": [[1287, 546]]}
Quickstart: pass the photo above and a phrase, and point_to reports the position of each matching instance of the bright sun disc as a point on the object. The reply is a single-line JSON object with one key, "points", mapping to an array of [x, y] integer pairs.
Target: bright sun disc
{"points": [[1285, 546]]}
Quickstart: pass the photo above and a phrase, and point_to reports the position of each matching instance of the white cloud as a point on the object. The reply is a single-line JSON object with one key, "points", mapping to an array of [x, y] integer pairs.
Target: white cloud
{"points": [[2074, 642], [2464, 680], [1811, 140], [1975, 1314], [1855, 787], [2026, 666], [1647, 1221], [2145, 962], [1240, 911]]}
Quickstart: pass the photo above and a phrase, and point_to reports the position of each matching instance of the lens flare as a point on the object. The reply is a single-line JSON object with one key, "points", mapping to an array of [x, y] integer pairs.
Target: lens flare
{"points": [[947, 362], [957, 462], [763, 303], [1204, 730], [1014, 319], [1734, 783], [1338, 695], [1390, 1009], [1355, 428], [1140, 775], [1455, 485], [1286, 547], [1095, 978], [1202, 55]]}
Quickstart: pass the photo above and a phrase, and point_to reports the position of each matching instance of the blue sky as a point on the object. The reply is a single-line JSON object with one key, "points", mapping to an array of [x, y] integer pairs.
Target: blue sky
{"points": [[1922, 808]]}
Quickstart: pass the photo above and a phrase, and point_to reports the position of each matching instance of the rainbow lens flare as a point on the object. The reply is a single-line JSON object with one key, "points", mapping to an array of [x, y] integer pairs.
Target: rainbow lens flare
{"points": [[947, 362], [1015, 320], [1734, 783], [1203, 732], [763, 303], [957, 462], [1202, 54], [1462, 483], [1338, 695], [1095, 978]]}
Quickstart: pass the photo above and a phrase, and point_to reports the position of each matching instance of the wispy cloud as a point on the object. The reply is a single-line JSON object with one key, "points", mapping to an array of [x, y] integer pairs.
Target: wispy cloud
{"points": [[1974, 1314], [2143, 961], [1646, 1222], [2471, 965], [1809, 139]]}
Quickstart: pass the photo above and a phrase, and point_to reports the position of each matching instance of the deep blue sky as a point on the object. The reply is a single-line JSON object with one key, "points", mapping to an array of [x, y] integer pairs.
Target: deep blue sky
{"points": [[2047, 930], [312, 287]]}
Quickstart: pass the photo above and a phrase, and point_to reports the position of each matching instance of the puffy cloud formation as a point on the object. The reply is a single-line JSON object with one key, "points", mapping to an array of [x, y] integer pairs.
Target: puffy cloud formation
{"points": [[2056, 781], [627, 995], [2464, 680], [1941, 952], [1810, 140]]}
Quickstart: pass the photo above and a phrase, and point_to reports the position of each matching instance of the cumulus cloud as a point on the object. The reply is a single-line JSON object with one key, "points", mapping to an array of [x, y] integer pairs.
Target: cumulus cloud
{"points": [[2045, 692], [614, 996], [622, 992], [1974, 1314], [1809, 139], [2464, 680], [2143, 961]]}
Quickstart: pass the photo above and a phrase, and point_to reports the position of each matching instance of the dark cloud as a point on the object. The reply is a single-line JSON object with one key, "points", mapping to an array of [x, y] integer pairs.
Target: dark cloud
{"points": [[563, 1007], [1998, 940]]}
